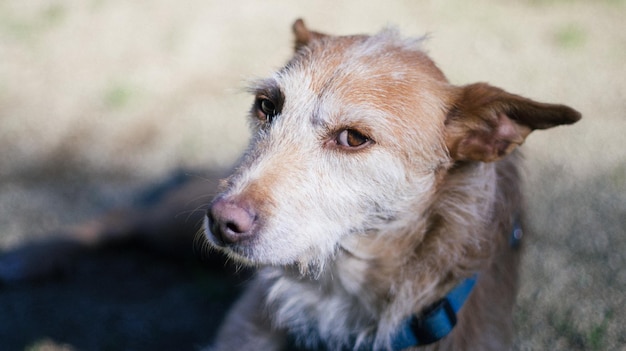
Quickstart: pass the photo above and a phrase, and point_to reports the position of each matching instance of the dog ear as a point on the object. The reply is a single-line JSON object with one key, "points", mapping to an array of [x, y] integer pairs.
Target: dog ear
{"points": [[303, 35], [487, 123]]}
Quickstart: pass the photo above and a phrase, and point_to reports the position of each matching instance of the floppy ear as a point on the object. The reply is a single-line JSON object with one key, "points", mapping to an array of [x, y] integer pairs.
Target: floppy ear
{"points": [[487, 123], [303, 35]]}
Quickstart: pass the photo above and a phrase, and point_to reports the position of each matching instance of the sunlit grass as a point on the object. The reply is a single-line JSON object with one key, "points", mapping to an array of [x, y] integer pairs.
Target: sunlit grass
{"points": [[118, 96], [570, 36], [47, 345], [29, 26]]}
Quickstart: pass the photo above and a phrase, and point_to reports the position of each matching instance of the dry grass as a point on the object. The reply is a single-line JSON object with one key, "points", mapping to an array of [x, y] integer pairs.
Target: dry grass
{"points": [[98, 97]]}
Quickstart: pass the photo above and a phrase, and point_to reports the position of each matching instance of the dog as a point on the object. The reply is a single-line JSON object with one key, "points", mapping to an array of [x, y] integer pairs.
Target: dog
{"points": [[381, 204]]}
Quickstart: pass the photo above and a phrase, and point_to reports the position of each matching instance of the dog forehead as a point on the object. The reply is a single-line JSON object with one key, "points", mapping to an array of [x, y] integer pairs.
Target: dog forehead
{"points": [[384, 72], [376, 58]]}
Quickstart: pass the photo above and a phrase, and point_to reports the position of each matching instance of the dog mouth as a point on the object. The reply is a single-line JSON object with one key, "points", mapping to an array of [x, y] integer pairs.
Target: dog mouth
{"points": [[250, 249], [232, 226]]}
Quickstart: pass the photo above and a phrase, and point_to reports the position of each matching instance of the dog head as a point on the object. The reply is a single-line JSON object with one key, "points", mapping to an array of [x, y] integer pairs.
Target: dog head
{"points": [[351, 138]]}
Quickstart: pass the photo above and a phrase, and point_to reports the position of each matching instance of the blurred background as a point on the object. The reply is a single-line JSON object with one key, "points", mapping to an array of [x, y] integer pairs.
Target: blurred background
{"points": [[99, 98]]}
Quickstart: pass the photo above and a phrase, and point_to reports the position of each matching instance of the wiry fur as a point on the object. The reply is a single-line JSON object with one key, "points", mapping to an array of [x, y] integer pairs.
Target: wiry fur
{"points": [[354, 240]]}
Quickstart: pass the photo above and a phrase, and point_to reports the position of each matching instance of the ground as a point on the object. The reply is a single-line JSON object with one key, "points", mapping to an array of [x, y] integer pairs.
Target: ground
{"points": [[99, 99]]}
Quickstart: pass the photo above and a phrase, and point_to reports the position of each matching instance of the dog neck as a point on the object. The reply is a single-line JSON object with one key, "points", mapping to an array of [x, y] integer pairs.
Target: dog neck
{"points": [[408, 257]]}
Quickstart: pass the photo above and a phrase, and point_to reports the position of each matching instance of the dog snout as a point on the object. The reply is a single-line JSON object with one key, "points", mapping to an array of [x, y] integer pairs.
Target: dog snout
{"points": [[231, 221]]}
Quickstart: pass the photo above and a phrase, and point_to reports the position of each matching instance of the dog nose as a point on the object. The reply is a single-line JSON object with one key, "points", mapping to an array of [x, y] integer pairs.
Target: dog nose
{"points": [[230, 221]]}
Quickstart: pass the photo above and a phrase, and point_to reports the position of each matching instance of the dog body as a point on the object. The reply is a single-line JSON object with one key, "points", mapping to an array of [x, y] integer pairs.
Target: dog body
{"points": [[371, 188]]}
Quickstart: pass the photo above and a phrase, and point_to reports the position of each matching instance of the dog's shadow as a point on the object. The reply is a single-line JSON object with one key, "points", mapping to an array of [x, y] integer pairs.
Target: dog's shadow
{"points": [[115, 295], [123, 298]]}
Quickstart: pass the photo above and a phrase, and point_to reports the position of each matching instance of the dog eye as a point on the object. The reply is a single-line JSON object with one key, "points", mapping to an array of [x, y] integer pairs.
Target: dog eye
{"points": [[352, 139], [267, 109]]}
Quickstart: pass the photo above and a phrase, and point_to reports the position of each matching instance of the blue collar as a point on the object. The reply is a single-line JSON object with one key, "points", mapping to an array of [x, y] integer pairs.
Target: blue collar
{"points": [[436, 322], [430, 326]]}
